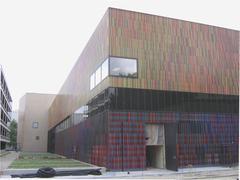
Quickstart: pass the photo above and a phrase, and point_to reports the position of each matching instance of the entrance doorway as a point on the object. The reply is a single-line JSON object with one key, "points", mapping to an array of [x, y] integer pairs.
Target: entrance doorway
{"points": [[155, 156], [155, 146]]}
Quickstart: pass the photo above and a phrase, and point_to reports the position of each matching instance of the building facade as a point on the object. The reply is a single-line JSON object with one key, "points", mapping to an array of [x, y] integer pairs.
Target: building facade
{"points": [[150, 91], [5, 111], [33, 122]]}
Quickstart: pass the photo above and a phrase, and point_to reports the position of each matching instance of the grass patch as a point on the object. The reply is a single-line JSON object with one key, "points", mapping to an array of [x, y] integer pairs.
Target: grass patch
{"points": [[39, 160]]}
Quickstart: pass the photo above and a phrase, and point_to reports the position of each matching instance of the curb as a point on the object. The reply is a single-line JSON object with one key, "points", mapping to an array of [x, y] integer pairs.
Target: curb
{"points": [[26, 171]]}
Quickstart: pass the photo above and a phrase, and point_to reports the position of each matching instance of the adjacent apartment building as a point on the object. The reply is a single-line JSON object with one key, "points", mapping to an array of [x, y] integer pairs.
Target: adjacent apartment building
{"points": [[5, 111]]}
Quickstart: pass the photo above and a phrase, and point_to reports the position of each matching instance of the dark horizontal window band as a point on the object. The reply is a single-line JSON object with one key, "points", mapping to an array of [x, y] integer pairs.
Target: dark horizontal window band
{"points": [[127, 99]]}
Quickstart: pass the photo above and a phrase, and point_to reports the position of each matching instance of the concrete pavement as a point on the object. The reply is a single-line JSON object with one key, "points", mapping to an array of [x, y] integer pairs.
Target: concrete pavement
{"points": [[5, 161], [221, 173], [216, 173]]}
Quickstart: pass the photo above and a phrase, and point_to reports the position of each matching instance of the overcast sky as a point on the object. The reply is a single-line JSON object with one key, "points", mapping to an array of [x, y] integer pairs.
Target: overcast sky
{"points": [[40, 40]]}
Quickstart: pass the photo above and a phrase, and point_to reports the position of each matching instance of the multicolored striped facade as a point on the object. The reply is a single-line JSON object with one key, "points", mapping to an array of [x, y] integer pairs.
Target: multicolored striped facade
{"points": [[175, 55], [187, 81]]}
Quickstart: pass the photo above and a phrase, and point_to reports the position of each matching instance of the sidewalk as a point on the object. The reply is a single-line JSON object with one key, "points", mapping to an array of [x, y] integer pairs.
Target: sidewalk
{"points": [[218, 173], [5, 161]]}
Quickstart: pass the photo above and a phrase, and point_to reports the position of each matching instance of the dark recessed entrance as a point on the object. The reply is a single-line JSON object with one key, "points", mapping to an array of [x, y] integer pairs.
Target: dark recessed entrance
{"points": [[155, 146], [155, 156]]}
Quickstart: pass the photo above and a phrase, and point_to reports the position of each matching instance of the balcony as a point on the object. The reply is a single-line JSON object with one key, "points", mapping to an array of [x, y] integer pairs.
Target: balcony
{"points": [[5, 101], [8, 114], [3, 124], [6, 94], [4, 138]]}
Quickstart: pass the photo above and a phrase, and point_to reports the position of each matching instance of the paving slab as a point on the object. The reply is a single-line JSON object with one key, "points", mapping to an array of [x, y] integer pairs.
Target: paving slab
{"points": [[6, 160]]}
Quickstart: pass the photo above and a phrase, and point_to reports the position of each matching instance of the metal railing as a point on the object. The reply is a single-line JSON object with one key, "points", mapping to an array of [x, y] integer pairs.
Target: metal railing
{"points": [[4, 138]]}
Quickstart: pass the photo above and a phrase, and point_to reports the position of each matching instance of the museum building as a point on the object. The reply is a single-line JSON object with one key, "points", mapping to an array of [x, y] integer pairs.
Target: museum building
{"points": [[150, 91]]}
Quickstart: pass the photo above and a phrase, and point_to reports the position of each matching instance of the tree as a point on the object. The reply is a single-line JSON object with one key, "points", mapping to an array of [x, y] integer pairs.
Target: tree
{"points": [[13, 133]]}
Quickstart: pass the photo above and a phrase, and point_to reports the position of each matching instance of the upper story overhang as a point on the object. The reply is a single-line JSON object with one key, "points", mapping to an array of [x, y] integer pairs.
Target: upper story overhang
{"points": [[170, 54]]}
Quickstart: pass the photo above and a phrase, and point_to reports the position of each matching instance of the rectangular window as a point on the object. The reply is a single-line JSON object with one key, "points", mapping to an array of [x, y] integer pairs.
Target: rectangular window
{"points": [[105, 69], [98, 76], [35, 125], [92, 81], [123, 67], [116, 66]]}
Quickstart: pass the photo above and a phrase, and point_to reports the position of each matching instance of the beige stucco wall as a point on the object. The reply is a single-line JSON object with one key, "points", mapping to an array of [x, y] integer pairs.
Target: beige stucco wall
{"points": [[21, 110], [33, 107]]}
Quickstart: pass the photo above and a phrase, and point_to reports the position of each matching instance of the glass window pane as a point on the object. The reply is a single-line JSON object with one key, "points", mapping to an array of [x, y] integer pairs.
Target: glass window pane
{"points": [[123, 67], [92, 81], [98, 76], [35, 124], [105, 69]]}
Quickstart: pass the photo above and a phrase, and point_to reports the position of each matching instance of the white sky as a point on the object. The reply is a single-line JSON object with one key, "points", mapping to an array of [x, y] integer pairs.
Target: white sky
{"points": [[40, 40]]}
